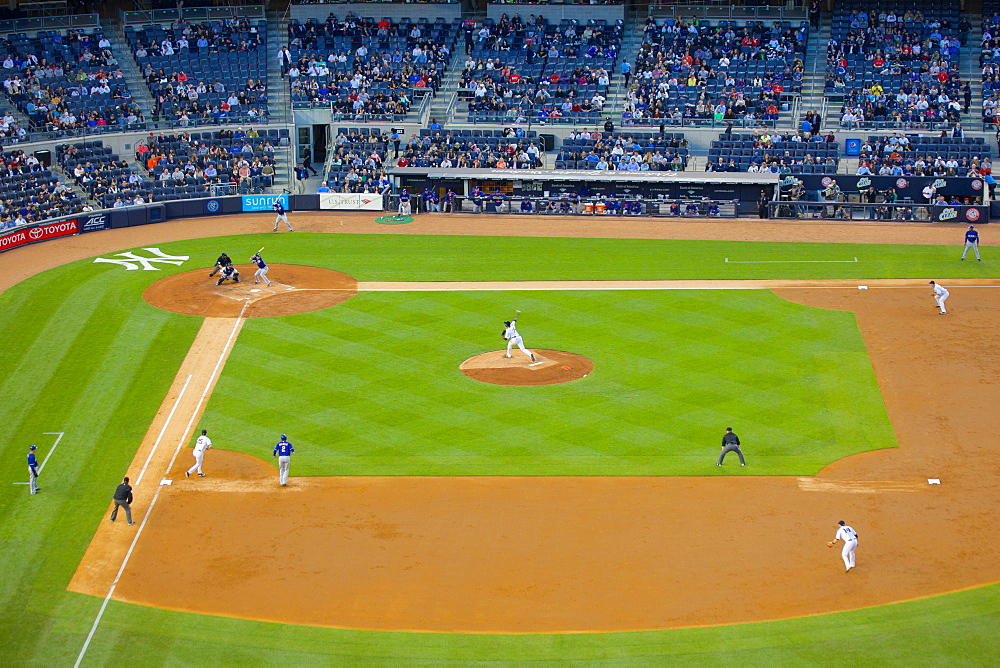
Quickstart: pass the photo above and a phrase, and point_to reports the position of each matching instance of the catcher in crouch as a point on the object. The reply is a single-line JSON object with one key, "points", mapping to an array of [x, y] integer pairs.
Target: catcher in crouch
{"points": [[513, 338], [229, 271]]}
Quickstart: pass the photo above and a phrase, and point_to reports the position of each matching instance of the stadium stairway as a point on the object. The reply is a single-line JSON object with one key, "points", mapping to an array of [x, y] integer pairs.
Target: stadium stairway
{"points": [[635, 25], [972, 72], [278, 95], [814, 81], [112, 28], [449, 85]]}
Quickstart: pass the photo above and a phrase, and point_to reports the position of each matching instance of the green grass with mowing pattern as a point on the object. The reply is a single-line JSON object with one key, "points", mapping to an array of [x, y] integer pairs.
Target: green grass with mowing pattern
{"points": [[83, 354]]}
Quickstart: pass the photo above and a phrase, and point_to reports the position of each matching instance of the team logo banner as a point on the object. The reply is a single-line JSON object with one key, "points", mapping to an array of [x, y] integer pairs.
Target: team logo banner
{"points": [[42, 232], [263, 202], [350, 201], [95, 222]]}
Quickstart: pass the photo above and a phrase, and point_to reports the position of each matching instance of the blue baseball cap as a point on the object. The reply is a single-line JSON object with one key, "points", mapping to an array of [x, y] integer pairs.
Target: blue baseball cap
{"points": [[34, 447]]}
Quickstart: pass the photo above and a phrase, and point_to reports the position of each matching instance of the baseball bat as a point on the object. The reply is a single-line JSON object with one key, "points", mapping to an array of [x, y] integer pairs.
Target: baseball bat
{"points": [[261, 248]]}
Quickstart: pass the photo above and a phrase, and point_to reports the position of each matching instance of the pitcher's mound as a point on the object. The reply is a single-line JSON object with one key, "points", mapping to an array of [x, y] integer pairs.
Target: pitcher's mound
{"points": [[549, 367], [293, 289]]}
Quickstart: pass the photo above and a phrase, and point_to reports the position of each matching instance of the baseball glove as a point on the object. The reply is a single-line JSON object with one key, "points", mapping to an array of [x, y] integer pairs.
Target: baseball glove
{"points": [[829, 544], [503, 335]]}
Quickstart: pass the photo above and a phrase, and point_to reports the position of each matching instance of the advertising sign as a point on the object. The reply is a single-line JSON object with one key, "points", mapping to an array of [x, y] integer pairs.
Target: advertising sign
{"points": [[263, 202], [42, 232]]}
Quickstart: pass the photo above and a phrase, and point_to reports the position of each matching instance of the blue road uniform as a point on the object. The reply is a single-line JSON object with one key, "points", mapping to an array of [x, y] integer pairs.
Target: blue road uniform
{"points": [[279, 208], [449, 201], [525, 206], [283, 451], [261, 269], [404, 203], [971, 241], [32, 470]]}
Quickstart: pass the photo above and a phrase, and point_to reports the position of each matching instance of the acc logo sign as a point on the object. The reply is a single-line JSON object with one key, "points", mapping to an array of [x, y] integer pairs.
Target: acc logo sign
{"points": [[213, 205], [977, 184], [826, 181], [972, 214], [902, 183], [95, 223]]}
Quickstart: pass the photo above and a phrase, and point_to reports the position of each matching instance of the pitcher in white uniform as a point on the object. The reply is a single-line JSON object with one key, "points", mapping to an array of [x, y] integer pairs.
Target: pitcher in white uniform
{"points": [[850, 538], [201, 445], [514, 339]]}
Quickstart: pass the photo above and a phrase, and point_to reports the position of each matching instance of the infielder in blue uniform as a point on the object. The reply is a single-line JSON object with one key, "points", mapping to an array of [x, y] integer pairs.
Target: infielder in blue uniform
{"points": [[279, 208], [283, 451], [971, 241], [261, 269], [33, 470]]}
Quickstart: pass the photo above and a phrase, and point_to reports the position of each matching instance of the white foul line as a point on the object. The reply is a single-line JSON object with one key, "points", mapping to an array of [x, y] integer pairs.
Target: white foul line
{"points": [[156, 495], [163, 430], [784, 261], [46, 460]]}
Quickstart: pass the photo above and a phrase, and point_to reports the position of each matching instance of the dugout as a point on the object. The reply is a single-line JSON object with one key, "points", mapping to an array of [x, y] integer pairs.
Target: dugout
{"points": [[742, 187]]}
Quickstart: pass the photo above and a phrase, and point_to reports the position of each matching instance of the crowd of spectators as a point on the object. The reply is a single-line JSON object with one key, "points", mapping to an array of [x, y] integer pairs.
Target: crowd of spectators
{"points": [[911, 155], [188, 164], [29, 192], [693, 71], [626, 151], [897, 66], [103, 175], [513, 149], [529, 68], [211, 72], [775, 152], [67, 82], [364, 66], [11, 130], [989, 61], [358, 160]]}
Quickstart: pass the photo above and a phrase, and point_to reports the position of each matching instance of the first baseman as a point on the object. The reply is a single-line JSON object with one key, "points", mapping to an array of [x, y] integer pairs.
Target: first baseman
{"points": [[971, 241], [200, 446], [283, 451], [33, 470], [513, 338], [279, 208], [261, 269], [850, 538], [730, 443], [940, 295]]}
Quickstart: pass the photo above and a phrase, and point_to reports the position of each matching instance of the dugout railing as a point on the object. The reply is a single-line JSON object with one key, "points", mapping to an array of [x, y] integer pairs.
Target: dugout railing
{"points": [[885, 211], [590, 206]]}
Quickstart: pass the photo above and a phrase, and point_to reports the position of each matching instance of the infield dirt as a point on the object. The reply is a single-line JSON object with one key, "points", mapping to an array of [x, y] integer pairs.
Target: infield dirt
{"points": [[523, 555]]}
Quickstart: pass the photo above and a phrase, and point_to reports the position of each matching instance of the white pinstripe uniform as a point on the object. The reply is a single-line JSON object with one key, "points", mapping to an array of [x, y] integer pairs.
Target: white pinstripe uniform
{"points": [[201, 445], [514, 339], [850, 538]]}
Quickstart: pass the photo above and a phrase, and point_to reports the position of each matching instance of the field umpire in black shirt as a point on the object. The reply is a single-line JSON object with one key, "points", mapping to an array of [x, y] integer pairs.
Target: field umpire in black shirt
{"points": [[730, 443]]}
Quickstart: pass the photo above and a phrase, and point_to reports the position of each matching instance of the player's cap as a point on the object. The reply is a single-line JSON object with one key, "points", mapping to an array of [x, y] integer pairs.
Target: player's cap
{"points": [[507, 322], [729, 428], [204, 432], [34, 447], [283, 437], [972, 227], [930, 283], [841, 522]]}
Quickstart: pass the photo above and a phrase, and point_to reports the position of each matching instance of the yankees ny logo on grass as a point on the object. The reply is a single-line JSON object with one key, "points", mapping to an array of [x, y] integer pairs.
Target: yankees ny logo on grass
{"points": [[132, 261]]}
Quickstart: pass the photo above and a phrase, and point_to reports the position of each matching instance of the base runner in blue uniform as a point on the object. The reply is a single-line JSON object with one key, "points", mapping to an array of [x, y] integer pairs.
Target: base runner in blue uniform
{"points": [[283, 451], [971, 241]]}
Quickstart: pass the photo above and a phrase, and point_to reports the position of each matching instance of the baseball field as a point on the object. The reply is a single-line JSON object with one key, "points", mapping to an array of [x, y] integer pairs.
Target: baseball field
{"points": [[564, 510]]}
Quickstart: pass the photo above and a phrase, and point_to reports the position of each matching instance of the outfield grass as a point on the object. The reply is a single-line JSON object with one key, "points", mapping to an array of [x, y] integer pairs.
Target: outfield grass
{"points": [[82, 354], [372, 387]]}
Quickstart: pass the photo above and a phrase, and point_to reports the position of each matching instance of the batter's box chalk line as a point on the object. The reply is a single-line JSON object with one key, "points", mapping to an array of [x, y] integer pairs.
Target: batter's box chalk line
{"points": [[728, 261]]}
